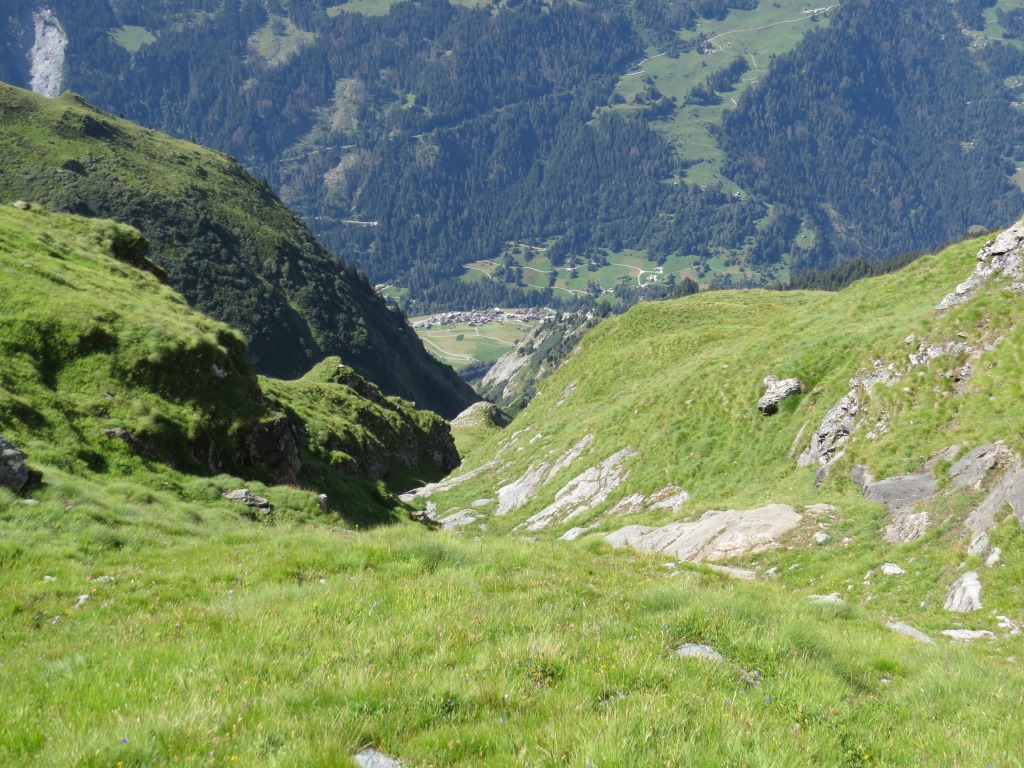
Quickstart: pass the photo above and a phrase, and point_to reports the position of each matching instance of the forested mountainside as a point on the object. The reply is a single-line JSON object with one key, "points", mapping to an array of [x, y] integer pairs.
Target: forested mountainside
{"points": [[856, 129], [413, 154], [225, 240]]}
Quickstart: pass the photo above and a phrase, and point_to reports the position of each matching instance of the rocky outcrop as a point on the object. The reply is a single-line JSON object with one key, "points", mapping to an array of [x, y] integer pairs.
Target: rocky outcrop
{"points": [[46, 58], [715, 536], [829, 439], [521, 490], [482, 414], [14, 473], [982, 519], [777, 390], [999, 257], [902, 494], [273, 447], [585, 491]]}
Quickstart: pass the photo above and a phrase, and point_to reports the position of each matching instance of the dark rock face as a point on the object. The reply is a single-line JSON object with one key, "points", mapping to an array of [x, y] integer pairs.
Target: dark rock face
{"points": [[273, 447], [14, 473]]}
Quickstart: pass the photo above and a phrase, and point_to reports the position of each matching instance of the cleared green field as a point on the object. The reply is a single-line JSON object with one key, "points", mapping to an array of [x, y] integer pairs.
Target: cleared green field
{"points": [[770, 29], [460, 344], [132, 38]]}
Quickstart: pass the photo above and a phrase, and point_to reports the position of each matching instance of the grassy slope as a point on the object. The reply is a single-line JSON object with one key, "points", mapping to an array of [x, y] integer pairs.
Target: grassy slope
{"points": [[211, 639], [231, 248], [90, 343]]}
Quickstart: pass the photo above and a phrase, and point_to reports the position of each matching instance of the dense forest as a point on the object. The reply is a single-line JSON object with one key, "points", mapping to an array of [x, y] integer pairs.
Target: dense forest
{"points": [[419, 141], [878, 147]]}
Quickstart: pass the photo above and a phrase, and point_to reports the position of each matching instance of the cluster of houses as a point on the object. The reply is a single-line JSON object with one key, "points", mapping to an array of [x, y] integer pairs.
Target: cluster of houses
{"points": [[477, 317]]}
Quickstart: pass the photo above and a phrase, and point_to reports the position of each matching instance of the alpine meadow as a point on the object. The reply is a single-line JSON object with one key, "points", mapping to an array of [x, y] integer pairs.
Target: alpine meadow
{"points": [[731, 472]]}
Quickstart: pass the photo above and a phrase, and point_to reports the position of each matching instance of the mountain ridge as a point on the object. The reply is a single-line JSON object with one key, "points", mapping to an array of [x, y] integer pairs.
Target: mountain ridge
{"points": [[228, 244]]}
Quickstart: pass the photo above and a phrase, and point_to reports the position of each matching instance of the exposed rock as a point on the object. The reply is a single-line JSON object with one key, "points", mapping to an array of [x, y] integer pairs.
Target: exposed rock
{"points": [[447, 484], [822, 538], [671, 498], [21, 205], [523, 489], [14, 473], [715, 536], [566, 459], [971, 469], [273, 447], [245, 496], [321, 500], [480, 414], [573, 533], [46, 58], [906, 629], [137, 445], [1008, 624], [891, 569], [964, 595], [832, 434], [371, 758], [993, 557], [698, 651], [585, 491], [967, 635], [832, 598], [480, 503], [460, 519], [980, 522], [82, 600], [777, 390], [1001, 256], [520, 491], [899, 492], [743, 574], [907, 527]]}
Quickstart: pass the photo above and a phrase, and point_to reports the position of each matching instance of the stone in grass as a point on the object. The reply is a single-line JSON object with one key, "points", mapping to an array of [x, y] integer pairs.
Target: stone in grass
{"points": [[698, 651], [372, 758], [822, 538], [775, 392], [247, 497], [14, 473], [964, 594], [891, 569], [909, 631], [967, 635], [830, 599]]}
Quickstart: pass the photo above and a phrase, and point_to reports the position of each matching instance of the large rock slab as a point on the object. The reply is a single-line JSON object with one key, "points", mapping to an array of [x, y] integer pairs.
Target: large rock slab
{"points": [[964, 595], [909, 631], [715, 536], [14, 472], [980, 522], [525, 487], [972, 467], [585, 491]]}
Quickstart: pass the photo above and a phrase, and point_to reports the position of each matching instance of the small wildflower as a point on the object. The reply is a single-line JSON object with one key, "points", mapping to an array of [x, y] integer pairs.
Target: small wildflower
{"points": [[124, 740], [501, 720], [767, 698]]}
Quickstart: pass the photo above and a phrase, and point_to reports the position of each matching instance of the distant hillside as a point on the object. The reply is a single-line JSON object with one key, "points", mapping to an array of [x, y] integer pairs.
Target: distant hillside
{"points": [[107, 372], [723, 140], [228, 244]]}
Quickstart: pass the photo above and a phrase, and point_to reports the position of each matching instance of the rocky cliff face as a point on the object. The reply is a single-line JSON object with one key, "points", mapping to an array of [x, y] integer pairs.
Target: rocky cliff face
{"points": [[46, 57]]}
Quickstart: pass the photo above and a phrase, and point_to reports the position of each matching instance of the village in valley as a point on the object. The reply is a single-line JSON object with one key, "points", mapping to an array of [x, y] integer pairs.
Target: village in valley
{"points": [[476, 336]]}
